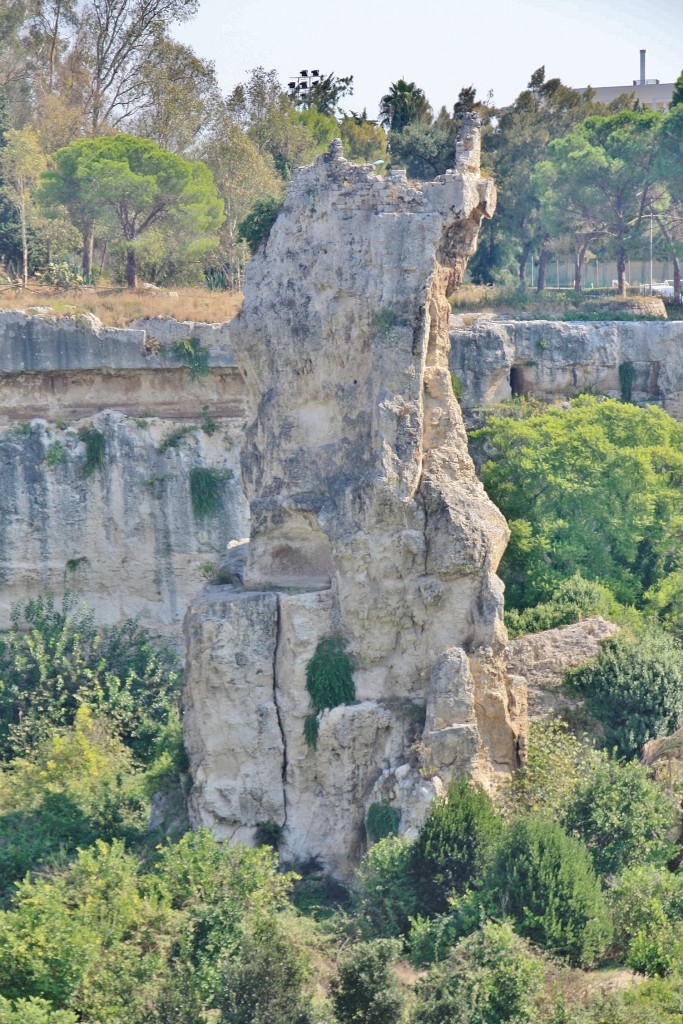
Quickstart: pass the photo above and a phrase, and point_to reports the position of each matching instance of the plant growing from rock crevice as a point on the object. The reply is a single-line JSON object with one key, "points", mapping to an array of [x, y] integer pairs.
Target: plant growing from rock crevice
{"points": [[95, 449], [329, 681], [206, 490]]}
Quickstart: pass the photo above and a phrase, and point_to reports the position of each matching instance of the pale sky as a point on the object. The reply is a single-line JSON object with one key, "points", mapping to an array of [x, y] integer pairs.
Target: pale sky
{"points": [[441, 45]]}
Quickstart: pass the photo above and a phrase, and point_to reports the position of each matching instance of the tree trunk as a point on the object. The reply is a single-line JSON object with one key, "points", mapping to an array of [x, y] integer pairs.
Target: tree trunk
{"points": [[621, 270], [132, 269], [578, 266], [523, 260], [88, 247], [677, 279], [543, 261], [24, 241]]}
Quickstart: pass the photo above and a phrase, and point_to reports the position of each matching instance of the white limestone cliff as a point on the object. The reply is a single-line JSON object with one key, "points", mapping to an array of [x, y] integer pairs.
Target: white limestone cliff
{"points": [[367, 523]]}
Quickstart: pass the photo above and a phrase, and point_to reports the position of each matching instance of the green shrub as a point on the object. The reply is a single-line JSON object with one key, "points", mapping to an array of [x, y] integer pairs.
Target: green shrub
{"points": [[365, 987], [431, 939], [544, 881], [263, 984], [329, 675], [256, 226], [33, 1011], [557, 761], [456, 385], [634, 689], [191, 352], [622, 816], [627, 378], [206, 490], [52, 663], [311, 730], [492, 976], [269, 833], [454, 846], [385, 893], [176, 437], [572, 600], [381, 820], [55, 455], [647, 910], [95, 449]]}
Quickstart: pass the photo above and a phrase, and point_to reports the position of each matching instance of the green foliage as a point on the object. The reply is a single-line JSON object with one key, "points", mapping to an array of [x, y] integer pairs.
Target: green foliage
{"points": [[381, 820], [207, 486], [329, 675], [385, 320], [593, 488], [557, 760], [95, 449], [60, 275], [647, 910], [264, 983], [572, 600], [55, 455], [52, 663], [176, 437], [385, 894], [627, 378], [191, 352], [257, 225], [622, 816], [634, 688], [454, 846], [269, 833], [33, 1011], [456, 384], [365, 987], [311, 730], [364, 141], [209, 425], [216, 280], [404, 104], [492, 976], [543, 880]]}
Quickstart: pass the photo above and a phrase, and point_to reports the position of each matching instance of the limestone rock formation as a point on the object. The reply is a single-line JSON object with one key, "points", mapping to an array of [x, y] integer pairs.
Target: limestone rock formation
{"points": [[367, 524], [544, 658], [495, 359], [125, 536]]}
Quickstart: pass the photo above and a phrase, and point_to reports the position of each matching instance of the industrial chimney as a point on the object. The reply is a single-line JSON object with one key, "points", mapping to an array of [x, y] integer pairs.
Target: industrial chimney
{"points": [[642, 67]]}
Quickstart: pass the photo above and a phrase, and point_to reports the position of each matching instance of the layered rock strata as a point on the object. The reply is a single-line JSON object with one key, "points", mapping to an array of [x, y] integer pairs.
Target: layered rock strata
{"points": [[367, 524], [552, 360]]}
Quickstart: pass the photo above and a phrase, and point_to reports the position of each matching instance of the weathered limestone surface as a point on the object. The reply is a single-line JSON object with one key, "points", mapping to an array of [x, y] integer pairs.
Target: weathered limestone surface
{"points": [[367, 522], [124, 538], [557, 360], [544, 658]]}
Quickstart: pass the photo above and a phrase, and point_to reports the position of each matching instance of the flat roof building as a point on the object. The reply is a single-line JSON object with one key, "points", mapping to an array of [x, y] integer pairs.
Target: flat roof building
{"points": [[652, 93]]}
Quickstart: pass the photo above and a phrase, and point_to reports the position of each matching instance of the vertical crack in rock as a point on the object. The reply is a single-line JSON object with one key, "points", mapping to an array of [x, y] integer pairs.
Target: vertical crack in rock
{"points": [[278, 710], [366, 512]]}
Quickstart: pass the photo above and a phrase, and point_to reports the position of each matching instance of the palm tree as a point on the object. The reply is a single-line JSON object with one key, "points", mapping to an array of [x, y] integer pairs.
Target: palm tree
{"points": [[403, 104]]}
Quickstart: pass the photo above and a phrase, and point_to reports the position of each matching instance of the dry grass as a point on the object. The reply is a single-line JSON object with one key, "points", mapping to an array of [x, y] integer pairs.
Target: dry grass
{"points": [[116, 307]]}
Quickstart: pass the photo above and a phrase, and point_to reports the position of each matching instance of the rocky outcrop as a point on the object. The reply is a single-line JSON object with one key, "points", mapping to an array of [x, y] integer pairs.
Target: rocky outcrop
{"points": [[497, 359], [545, 658], [125, 536], [367, 524]]}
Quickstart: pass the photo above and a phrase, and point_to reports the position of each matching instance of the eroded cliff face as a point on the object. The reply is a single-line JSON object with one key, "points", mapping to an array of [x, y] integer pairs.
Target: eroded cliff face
{"points": [[125, 537], [367, 523]]}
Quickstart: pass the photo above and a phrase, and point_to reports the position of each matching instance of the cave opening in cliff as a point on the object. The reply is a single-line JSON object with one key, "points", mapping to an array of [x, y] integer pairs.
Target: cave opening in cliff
{"points": [[518, 385]]}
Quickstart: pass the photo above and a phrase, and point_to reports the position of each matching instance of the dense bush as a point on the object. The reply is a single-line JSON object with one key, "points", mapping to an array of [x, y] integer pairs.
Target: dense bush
{"points": [[647, 909], [573, 599], [622, 816], [385, 890], [454, 846], [492, 976], [53, 662], [365, 988], [591, 488], [634, 689], [543, 880]]}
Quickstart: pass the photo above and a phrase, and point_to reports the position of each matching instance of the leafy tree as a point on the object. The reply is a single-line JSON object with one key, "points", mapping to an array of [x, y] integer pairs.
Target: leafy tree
{"points": [[364, 141], [677, 97], [425, 150], [139, 187], [493, 976], [386, 895], [543, 880], [365, 987], [53, 662], [33, 1011], [622, 816], [557, 762], [667, 206], [573, 599], [257, 224], [264, 983], [634, 689], [454, 846], [65, 185], [647, 909], [592, 489], [21, 164], [404, 104]]}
